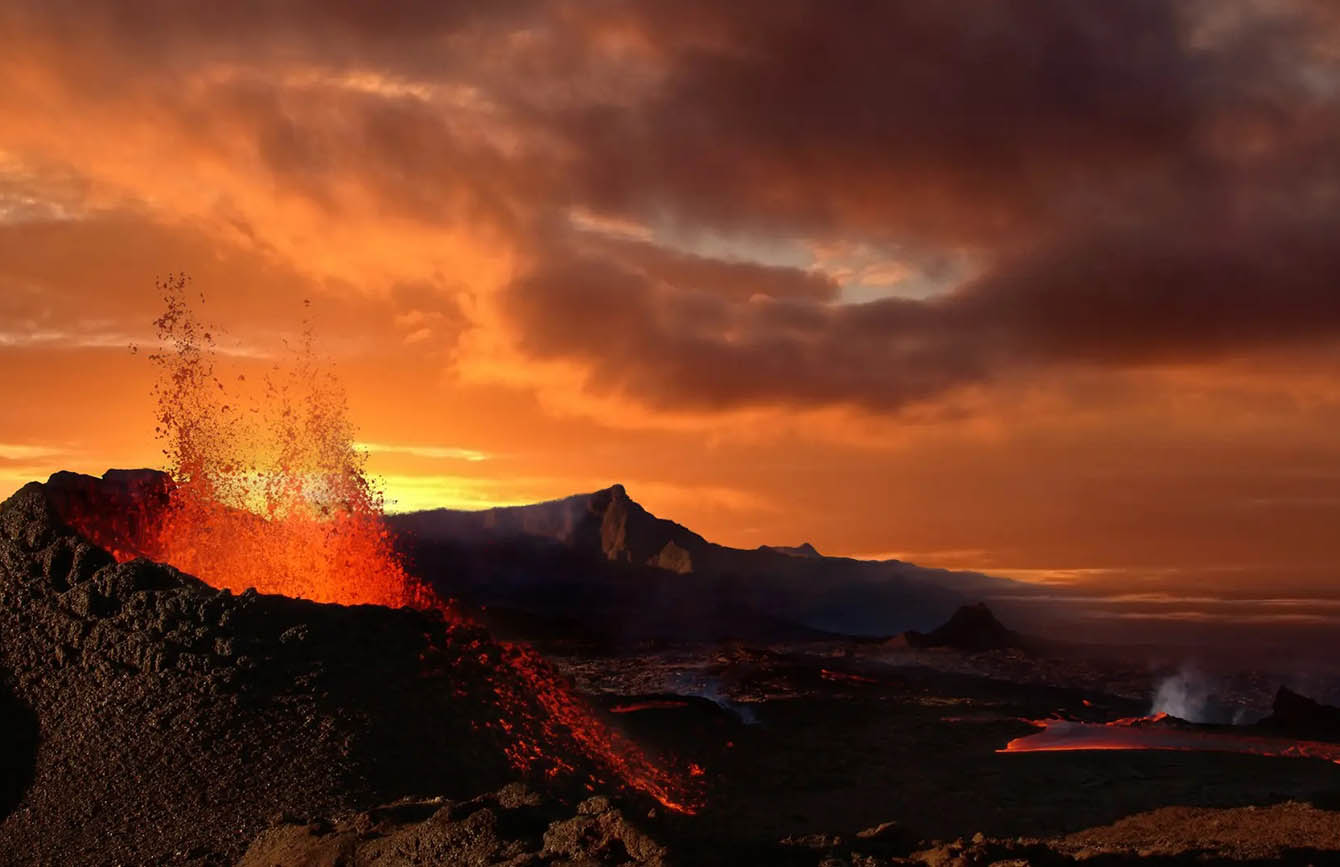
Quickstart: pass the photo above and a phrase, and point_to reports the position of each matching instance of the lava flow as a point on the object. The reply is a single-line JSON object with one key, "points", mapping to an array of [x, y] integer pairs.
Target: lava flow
{"points": [[654, 704], [277, 499], [1157, 733]]}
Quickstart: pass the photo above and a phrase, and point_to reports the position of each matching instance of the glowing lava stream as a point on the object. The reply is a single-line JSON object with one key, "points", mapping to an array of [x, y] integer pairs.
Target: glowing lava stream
{"points": [[276, 499], [655, 704], [1147, 733]]}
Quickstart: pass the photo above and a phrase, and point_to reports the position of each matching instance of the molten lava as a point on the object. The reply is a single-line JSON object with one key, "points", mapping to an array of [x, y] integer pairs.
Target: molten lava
{"points": [[654, 704], [846, 677], [277, 499], [1155, 733]]}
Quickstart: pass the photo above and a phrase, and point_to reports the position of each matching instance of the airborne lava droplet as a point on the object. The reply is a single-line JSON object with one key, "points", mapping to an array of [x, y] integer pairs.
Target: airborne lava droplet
{"points": [[277, 498]]}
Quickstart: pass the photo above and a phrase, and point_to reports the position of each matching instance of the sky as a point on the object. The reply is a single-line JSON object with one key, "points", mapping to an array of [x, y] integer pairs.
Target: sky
{"points": [[1042, 288]]}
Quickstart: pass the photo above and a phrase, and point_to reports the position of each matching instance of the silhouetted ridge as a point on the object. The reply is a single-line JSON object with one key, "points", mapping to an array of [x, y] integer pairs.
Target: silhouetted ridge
{"points": [[606, 522], [601, 565], [804, 549], [1301, 716]]}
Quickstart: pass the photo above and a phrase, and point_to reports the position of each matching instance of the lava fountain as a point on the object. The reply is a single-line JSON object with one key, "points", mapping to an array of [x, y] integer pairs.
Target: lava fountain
{"points": [[273, 495], [1161, 732]]}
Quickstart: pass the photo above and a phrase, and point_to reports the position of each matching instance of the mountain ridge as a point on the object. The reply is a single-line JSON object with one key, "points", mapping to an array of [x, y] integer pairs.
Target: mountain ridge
{"points": [[608, 520], [605, 544], [626, 531]]}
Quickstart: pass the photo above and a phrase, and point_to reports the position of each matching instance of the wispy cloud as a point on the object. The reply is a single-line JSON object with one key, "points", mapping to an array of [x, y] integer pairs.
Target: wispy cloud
{"points": [[126, 341], [1190, 615], [451, 453], [39, 337], [31, 452]]}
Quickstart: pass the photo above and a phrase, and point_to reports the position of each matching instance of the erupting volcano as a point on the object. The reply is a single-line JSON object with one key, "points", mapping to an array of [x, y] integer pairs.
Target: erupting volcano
{"points": [[264, 487], [274, 496]]}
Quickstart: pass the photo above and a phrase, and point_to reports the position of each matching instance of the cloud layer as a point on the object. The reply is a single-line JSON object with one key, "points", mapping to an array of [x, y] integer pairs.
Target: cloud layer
{"points": [[1129, 183]]}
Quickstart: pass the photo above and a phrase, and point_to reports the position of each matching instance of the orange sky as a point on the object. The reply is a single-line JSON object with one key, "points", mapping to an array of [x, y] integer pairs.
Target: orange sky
{"points": [[1041, 289]]}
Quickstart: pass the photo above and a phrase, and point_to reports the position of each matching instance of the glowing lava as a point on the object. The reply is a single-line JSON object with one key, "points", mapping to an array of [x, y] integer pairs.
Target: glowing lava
{"points": [[275, 497], [654, 704], [846, 677], [1155, 733]]}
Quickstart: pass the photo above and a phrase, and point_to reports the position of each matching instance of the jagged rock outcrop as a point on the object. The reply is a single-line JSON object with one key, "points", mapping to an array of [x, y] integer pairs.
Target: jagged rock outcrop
{"points": [[515, 826], [673, 559]]}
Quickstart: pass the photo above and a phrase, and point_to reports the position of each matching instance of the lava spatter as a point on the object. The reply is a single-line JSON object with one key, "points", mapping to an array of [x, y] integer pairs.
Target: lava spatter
{"points": [[275, 496]]}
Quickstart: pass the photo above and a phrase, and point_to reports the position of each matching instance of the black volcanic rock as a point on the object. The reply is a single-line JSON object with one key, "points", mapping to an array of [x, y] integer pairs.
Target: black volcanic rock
{"points": [[175, 719], [124, 493], [513, 826], [1299, 716], [972, 628]]}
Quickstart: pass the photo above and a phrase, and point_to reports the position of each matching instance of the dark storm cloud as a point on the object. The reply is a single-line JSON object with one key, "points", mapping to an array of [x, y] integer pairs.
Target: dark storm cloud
{"points": [[958, 119], [397, 33], [671, 347], [401, 151], [1145, 294], [1142, 182], [1134, 182]]}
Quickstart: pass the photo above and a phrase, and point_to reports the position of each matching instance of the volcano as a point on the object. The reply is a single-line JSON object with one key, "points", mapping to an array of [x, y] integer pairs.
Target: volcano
{"points": [[971, 628], [210, 710]]}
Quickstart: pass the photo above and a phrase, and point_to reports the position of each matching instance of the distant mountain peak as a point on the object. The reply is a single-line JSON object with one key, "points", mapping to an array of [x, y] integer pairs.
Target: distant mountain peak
{"points": [[630, 533], [804, 549], [606, 522], [972, 627]]}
